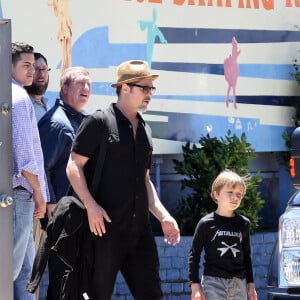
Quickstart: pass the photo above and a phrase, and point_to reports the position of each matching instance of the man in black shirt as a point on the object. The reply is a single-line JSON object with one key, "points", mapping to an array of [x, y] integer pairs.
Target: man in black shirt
{"points": [[119, 214]]}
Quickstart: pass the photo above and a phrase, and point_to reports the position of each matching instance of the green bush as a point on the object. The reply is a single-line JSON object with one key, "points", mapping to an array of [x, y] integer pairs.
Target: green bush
{"points": [[201, 165]]}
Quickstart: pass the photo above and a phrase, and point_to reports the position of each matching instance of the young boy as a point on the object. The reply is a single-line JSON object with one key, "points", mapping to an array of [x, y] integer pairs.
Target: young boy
{"points": [[224, 236]]}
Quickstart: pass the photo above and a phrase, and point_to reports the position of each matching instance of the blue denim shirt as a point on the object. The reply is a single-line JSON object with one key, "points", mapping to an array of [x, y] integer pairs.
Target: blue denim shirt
{"points": [[57, 131]]}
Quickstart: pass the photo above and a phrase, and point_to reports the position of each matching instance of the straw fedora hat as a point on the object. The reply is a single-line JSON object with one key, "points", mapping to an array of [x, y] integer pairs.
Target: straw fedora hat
{"points": [[133, 71]]}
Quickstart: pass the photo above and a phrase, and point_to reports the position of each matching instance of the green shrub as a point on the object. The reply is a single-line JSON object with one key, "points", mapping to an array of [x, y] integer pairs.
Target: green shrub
{"points": [[201, 165]]}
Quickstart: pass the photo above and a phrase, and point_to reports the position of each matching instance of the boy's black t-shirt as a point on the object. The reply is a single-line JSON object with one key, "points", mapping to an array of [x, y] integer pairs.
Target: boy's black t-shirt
{"points": [[226, 245]]}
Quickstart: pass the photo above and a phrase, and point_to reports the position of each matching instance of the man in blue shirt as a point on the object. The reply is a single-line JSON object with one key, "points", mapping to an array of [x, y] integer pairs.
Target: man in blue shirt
{"points": [[30, 190], [58, 128], [36, 93]]}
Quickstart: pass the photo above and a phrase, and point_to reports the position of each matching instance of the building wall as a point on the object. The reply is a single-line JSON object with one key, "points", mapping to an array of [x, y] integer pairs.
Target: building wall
{"points": [[174, 268]]}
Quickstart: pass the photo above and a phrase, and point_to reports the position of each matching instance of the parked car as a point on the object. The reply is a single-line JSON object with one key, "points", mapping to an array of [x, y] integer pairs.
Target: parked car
{"points": [[284, 268]]}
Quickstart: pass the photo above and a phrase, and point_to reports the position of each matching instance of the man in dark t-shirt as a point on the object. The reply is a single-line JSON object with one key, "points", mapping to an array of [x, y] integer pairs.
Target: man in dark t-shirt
{"points": [[119, 213]]}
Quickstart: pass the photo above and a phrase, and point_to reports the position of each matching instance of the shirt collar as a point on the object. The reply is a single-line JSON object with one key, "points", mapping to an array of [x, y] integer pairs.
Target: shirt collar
{"points": [[43, 101], [17, 83], [69, 108], [119, 115]]}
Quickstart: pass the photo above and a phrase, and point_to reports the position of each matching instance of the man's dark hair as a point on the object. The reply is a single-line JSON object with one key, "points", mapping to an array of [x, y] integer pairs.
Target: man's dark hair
{"points": [[36, 89], [38, 55], [17, 49]]}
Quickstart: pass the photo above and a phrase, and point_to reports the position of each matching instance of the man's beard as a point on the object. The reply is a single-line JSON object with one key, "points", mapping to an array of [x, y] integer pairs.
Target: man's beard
{"points": [[143, 108], [36, 89]]}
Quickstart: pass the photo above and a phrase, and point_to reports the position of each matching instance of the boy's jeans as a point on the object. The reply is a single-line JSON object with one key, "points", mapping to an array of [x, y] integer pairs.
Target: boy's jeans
{"points": [[216, 288], [23, 208]]}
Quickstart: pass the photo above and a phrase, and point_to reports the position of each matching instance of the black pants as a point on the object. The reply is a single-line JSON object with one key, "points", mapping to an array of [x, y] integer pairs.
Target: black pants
{"points": [[135, 256], [56, 272]]}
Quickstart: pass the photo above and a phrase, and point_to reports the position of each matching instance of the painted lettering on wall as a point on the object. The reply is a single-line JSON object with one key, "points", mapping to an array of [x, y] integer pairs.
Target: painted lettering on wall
{"points": [[242, 4]]}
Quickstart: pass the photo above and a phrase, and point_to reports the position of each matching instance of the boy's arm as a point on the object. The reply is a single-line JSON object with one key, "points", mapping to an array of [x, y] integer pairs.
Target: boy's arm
{"points": [[251, 291], [197, 293]]}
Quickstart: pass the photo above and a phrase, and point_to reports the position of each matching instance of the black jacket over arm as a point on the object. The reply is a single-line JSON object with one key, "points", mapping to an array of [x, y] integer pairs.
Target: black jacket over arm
{"points": [[68, 235]]}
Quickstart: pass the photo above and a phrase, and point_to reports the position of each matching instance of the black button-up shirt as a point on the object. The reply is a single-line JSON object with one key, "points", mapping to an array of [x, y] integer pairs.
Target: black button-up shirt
{"points": [[122, 191]]}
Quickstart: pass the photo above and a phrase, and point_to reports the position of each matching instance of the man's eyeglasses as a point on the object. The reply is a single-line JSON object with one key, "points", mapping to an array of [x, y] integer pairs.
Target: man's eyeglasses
{"points": [[146, 88], [42, 70]]}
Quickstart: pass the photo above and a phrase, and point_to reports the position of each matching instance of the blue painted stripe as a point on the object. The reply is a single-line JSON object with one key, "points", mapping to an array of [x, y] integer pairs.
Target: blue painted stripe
{"points": [[104, 88], [94, 50], [217, 35], [258, 100], [189, 127], [266, 71]]}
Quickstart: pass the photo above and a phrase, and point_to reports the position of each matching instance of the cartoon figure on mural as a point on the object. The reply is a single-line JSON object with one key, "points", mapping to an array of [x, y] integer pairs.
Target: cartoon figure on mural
{"points": [[60, 8], [231, 71], [152, 32]]}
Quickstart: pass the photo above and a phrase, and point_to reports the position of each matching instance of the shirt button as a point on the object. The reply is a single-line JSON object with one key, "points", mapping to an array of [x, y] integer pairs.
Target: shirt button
{"points": [[134, 215]]}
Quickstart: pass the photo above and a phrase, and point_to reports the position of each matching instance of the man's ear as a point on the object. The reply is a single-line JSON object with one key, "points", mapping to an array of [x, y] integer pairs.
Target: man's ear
{"points": [[64, 88], [126, 88]]}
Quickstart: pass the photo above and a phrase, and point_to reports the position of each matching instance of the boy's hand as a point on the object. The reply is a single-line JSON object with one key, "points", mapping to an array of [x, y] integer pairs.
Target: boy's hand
{"points": [[197, 293], [252, 292]]}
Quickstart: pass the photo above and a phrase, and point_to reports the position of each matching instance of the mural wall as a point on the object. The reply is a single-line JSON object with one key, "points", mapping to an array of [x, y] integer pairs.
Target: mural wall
{"points": [[223, 64]]}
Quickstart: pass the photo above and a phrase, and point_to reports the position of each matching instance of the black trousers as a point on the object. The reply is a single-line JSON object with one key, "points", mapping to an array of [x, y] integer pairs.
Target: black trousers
{"points": [[56, 272], [135, 256]]}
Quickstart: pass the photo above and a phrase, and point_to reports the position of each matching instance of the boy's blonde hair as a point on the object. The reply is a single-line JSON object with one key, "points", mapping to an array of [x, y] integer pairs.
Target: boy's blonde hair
{"points": [[230, 179]]}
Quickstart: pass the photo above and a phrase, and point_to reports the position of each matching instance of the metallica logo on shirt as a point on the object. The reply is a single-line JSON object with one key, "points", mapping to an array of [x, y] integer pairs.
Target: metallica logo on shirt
{"points": [[226, 248]]}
